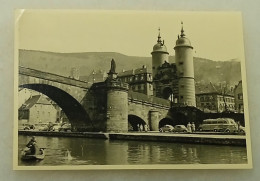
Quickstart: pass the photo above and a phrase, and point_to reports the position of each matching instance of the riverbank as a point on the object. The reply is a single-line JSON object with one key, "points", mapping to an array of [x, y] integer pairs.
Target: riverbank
{"points": [[235, 140]]}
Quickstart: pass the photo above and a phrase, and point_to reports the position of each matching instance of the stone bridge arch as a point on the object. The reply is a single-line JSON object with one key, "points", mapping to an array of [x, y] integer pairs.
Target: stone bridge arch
{"points": [[133, 121], [165, 121], [71, 107]]}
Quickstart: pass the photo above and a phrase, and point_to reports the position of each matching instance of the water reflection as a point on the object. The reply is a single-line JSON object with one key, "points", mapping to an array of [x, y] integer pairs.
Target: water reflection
{"points": [[84, 151]]}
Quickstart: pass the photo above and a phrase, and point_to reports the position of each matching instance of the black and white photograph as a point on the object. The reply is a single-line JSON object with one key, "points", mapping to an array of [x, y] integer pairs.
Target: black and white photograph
{"points": [[112, 89]]}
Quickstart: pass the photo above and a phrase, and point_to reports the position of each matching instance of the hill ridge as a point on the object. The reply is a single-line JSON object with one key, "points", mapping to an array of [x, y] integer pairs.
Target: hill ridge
{"points": [[205, 70]]}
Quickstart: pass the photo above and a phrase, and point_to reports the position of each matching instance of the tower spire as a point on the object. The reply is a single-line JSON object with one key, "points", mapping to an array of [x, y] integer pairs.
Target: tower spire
{"points": [[159, 36], [182, 31]]}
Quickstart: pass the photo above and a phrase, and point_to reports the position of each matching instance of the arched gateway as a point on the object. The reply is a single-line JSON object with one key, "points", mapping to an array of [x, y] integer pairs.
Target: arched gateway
{"points": [[71, 107]]}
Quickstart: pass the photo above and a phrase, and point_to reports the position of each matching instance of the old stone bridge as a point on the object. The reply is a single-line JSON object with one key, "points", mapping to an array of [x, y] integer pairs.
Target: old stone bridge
{"points": [[106, 106]]}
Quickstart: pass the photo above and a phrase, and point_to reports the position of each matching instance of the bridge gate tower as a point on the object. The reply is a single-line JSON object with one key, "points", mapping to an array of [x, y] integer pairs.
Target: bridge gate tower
{"points": [[185, 70]]}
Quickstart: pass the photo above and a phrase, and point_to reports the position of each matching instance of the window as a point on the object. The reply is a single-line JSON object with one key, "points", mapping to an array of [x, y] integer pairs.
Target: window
{"points": [[181, 97], [207, 98], [180, 63], [201, 98], [240, 96]]}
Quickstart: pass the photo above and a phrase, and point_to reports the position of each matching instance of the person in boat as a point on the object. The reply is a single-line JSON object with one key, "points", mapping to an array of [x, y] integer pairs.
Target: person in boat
{"points": [[30, 143], [32, 147]]}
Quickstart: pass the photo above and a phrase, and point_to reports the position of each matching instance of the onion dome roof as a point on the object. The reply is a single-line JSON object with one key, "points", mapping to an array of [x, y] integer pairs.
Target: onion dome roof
{"points": [[159, 46], [182, 40]]}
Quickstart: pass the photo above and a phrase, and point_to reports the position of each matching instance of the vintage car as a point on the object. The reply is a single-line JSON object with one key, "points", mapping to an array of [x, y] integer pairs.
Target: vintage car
{"points": [[219, 125], [167, 128], [65, 127], [26, 127], [180, 128]]}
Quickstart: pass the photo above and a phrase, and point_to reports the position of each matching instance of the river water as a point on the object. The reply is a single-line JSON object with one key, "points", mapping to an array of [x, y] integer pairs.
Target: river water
{"points": [[86, 151]]}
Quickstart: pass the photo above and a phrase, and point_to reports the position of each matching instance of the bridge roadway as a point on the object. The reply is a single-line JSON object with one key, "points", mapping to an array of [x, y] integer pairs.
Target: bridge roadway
{"points": [[53, 77], [195, 138]]}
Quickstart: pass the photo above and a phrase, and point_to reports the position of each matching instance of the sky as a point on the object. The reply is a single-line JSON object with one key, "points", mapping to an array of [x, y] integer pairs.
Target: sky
{"points": [[214, 35]]}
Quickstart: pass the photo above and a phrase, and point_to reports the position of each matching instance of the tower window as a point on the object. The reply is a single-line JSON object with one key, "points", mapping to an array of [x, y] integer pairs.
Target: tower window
{"points": [[180, 63], [181, 97], [153, 67]]}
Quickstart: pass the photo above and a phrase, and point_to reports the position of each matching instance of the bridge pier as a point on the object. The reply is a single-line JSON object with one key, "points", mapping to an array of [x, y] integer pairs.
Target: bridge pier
{"points": [[117, 109], [154, 120]]}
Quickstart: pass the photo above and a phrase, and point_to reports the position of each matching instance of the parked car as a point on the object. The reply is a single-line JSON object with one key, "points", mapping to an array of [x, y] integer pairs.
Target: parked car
{"points": [[219, 125], [180, 128], [165, 128], [23, 127], [41, 127], [56, 127], [241, 129], [65, 127]]}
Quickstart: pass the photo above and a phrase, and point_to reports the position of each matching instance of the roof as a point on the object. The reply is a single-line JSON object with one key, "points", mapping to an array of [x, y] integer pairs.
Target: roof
{"points": [[182, 41], [205, 89], [212, 89], [137, 71], [159, 47], [38, 99]]}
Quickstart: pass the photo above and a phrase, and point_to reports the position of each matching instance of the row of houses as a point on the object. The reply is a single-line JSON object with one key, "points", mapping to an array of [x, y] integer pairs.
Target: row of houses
{"points": [[210, 98]]}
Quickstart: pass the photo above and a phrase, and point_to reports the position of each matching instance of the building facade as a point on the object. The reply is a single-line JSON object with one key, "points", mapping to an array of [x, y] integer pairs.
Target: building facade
{"points": [[216, 99], [215, 102], [38, 109], [139, 80], [238, 94]]}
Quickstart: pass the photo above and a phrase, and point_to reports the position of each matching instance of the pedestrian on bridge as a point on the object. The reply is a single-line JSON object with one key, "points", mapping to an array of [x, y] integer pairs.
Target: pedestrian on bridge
{"points": [[145, 128], [189, 127], [193, 127], [141, 127], [138, 127]]}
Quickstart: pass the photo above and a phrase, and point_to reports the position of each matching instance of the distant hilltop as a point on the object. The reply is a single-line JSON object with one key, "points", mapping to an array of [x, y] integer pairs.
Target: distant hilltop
{"points": [[61, 63]]}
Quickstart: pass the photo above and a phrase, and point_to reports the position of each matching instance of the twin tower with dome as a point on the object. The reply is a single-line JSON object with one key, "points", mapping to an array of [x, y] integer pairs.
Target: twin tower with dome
{"points": [[174, 81], [137, 96]]}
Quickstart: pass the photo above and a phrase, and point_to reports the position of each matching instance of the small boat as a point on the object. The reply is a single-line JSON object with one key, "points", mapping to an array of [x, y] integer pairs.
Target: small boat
{"points": [[39, 155]]}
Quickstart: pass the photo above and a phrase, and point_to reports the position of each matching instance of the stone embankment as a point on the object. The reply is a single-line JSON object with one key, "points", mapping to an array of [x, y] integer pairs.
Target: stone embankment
{"points": [[217, 139]]}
